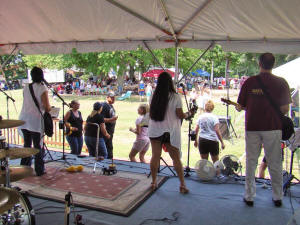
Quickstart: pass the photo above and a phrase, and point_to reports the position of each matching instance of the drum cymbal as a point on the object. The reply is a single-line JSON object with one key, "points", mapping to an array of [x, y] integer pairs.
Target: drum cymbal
{"points": [[16, 173], [10, 123], [16, 153], [8, 198]]}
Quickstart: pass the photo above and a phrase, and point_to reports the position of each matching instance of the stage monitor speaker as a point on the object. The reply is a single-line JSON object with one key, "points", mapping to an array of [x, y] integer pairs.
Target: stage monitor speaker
{"points": [[224, 127]]}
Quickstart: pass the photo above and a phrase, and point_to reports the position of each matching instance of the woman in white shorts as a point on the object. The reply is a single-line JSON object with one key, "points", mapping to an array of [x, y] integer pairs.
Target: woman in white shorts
{"points": [[142, 141]]}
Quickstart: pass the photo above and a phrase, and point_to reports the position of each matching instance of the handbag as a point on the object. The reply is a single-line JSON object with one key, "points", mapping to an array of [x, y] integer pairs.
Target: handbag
{"points": [[287, 124], [48, 122]]}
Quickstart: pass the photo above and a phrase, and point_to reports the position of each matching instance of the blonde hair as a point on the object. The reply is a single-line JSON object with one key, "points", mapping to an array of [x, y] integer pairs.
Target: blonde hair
{"points": [[209, 106], [145, 108], [94, 112]]}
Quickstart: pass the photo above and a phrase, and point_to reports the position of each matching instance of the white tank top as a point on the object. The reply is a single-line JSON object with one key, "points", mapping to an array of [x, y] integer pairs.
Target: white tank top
{"points": [[30, 113]]}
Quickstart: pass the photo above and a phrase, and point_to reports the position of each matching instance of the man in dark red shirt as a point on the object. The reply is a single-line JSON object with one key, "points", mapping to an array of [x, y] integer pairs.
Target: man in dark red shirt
{"points": [[263, 125]]}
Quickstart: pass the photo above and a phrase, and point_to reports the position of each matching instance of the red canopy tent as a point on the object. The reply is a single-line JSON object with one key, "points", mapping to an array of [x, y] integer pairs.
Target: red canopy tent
{"points": [[155, 73]]}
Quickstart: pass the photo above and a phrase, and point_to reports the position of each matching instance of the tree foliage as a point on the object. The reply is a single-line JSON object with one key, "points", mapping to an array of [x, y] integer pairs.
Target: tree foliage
{"points": [[140, 60]]}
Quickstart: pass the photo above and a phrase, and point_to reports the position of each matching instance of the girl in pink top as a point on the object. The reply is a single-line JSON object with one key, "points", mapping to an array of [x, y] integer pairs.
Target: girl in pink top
{"points": [[142, 142]]}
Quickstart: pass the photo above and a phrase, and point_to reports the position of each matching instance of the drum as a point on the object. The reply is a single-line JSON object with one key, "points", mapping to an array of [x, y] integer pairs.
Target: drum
{"points": [[20, 213]]}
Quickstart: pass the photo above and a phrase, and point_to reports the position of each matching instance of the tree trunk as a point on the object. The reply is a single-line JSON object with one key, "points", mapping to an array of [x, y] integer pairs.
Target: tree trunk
{"points": [[131, 71]]}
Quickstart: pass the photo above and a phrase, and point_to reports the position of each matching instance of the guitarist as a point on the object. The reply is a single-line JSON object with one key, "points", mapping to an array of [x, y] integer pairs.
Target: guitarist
{"points": [[263, 125]]}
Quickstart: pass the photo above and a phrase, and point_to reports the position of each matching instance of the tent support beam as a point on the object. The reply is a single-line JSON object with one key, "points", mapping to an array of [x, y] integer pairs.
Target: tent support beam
{"points": [[209, 47], [155, 58], [139, 16], [167, 17], [10, 55], [191, 19], [3, 64]]}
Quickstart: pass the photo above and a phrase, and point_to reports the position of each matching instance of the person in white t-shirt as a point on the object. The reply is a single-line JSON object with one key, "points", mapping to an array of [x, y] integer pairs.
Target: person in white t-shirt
{"points": [[33, 129], [142, 142], [209, 135], [165, 127]]}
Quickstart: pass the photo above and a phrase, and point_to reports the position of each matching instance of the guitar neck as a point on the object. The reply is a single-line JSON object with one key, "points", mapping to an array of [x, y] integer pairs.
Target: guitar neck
{"points": [[227, 101]]}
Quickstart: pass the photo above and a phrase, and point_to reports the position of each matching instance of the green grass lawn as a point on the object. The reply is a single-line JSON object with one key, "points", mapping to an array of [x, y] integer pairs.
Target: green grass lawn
{"points": [[127, 112]]}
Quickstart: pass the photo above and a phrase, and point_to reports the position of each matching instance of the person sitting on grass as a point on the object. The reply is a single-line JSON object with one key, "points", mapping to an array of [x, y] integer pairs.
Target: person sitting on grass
{"points": [[142, 142]]}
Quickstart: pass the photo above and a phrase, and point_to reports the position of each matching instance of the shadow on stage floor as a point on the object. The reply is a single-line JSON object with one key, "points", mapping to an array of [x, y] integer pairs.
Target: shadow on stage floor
{"points": [[212, 203]]}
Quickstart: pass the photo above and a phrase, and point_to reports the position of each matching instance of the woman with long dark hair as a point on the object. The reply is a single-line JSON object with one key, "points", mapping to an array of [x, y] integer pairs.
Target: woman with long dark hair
{"points": [[33, 129], [165, 127]]}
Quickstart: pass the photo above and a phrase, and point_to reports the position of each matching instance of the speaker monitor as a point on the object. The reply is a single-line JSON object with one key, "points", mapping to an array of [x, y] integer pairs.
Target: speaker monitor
{"points": [[224, 127]]}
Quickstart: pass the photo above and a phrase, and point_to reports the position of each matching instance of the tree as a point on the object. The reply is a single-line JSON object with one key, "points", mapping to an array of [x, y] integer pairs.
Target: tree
{"points": [[14, 68]]}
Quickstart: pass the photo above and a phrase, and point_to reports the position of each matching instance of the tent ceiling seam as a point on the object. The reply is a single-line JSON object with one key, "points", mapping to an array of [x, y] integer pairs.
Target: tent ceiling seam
{"points": [[192, 18], [168, 19], [131, 12]]}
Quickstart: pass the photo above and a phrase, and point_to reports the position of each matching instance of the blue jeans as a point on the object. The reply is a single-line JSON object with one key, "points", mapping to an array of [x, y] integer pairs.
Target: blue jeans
{"points": [[91, 145], [35, 138], [75, 144]]}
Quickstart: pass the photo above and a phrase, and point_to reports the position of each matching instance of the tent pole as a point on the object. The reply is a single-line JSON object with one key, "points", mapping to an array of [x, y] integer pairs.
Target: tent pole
{"points": [[212, 74], [155, 58], [176, 62], [227, 84], [211, 44]]}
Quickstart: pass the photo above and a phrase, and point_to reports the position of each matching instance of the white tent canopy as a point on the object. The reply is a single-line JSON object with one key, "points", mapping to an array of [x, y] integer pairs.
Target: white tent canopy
{"points": [[290, 72], [58, 26]]}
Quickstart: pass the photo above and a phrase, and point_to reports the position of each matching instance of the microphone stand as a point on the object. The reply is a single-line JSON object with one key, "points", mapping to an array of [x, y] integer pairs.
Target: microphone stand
{"points": [[7, 112], [63, 110], [7, 98]]}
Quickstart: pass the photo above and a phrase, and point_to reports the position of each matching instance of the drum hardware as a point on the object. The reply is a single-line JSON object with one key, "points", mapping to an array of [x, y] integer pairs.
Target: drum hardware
{"points": [[17, 210], [8, 198], [68, 199]]}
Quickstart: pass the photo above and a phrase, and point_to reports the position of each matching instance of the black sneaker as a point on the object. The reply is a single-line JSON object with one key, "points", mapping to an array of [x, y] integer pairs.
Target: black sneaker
{"points": [[277, 203], [248, 203]]}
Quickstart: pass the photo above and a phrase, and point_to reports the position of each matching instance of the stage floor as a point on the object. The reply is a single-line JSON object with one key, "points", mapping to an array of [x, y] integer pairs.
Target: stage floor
{"points": [[214, 203]]}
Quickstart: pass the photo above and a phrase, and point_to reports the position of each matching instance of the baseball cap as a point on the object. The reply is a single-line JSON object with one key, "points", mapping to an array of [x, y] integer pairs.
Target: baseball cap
{"points": [[111, 94], [97, 106]]}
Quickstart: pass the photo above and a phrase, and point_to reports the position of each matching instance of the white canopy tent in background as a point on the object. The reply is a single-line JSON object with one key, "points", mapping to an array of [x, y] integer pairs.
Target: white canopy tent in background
{"points": [[58, 26], [290, 72]]}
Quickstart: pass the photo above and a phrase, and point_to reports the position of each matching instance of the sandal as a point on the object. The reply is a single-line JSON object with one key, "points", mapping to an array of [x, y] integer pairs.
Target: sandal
{"points": [[153, 186], [183, 189]]}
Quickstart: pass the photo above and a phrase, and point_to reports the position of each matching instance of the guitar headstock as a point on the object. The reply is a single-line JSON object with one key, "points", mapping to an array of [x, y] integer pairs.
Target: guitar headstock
{"points": [[227, 101]]}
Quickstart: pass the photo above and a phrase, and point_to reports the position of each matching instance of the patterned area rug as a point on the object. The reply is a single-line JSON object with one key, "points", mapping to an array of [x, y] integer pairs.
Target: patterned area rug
{"points": [[120, 193]]}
